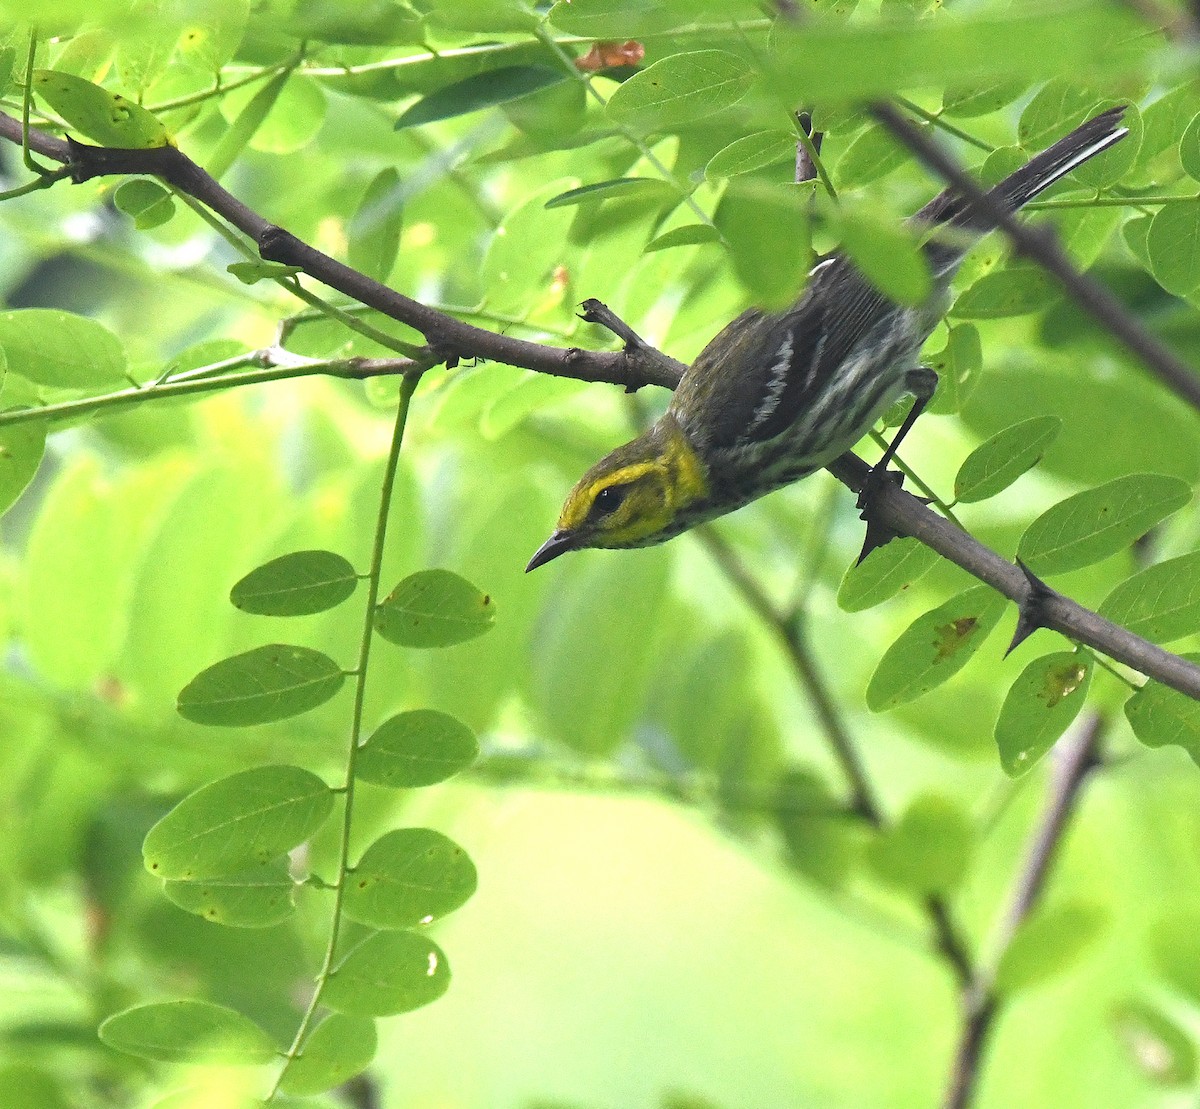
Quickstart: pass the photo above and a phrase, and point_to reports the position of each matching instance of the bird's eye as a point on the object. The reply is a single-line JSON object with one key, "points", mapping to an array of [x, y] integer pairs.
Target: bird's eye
{"points": [[609, 499]]}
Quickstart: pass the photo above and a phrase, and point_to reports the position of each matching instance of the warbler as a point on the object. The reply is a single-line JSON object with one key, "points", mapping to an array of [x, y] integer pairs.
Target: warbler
{"points": [[775, 396]]}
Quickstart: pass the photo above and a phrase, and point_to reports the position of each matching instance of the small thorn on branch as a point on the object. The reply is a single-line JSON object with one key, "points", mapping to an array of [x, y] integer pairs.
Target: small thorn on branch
{"points": [[1031, 610]]}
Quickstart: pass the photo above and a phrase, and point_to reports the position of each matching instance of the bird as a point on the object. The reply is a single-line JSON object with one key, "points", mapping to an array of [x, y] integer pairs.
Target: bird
{"points": [[776, 396]]}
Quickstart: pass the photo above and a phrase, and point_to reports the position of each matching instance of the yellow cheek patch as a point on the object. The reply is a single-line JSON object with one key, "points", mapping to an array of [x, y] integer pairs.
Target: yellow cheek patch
{"points": [[579, 503]]}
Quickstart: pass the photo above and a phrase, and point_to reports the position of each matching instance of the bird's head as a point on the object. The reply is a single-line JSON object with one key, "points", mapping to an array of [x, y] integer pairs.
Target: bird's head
{"points": [[638, 495]]}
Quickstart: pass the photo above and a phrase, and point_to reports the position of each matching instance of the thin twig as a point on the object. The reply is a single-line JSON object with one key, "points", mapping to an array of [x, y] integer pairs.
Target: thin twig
{"points": [[1077, 755], [790, 633]]}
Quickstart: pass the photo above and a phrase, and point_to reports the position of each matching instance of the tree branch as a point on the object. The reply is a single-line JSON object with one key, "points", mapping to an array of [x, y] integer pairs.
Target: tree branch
{"points": [[450, 336], [1077, 755], [638, 364], [1040, 244]]}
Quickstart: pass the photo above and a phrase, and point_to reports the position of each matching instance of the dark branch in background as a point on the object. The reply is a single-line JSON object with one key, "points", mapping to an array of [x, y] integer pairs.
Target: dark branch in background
{"points": [[1076, 757], [790, 632], [1038, 243]]}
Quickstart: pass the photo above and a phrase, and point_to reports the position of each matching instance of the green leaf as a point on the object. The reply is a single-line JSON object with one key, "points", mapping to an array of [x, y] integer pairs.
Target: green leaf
{"points": [[25, 1086], [483, 90], [690, 234], [1167, 118], [375, 228], [1159, 603], [1189, 149], [1013, 291], [640, 188], [257, 898], [970, 101], [1048, 943], [434, 608], [62, 349], [106, 117], [409, 876], [1090, 526], [416, 748], [296, 584], [958, 366], [252, 817], [338, 1048], [1173, 244], [873, 154], [1160, 716], [251, 273], [844, 61], [928, 851], [618, 19], [751, 153], [188, 1032], [766, 228], [1160, 1047], [1059, 105], [995, 464], [21, 450], [886, 571], [146, 202], [259, 686], [1040, 706], [389, 972], [1172, 943], [821, 843], [1106, 169], [681, 88], [491, 16], [888, 255], [934, 648]]}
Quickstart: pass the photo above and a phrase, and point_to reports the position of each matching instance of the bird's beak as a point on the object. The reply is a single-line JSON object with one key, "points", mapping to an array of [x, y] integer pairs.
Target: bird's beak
{"points": [[559, 542]]}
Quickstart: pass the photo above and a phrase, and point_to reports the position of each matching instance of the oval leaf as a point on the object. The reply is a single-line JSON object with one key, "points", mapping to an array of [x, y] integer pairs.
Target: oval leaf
{"points": [[228, 826], [374, 230], [1160, 1047], [258, 686], [928, 850], [621, 188], [106, 117], [61, 349], [190, 1032], [339, 1048], [1090, 526], [296, 584], [995, 464], [255, 898], [482, 90], [873, 154], [1160, 716], [146, 202], [1013, 291], [1159, 603], [1039, 707], [1173, 244], [21, 449], [681, 88], [690, 234], [888, 255], [416, 748], [934, 648], [390, 972], [886, 571], [434, 608], [958, 366], [750, 153], [409, 876], [1047, 944]]}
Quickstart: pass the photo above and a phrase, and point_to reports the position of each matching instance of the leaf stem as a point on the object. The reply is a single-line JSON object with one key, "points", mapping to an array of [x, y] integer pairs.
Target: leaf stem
{"points": [[407, 388]]}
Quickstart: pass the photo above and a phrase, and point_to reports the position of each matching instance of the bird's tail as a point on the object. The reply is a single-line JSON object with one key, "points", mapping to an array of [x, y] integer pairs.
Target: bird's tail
{"points": [[1041, 171]]}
